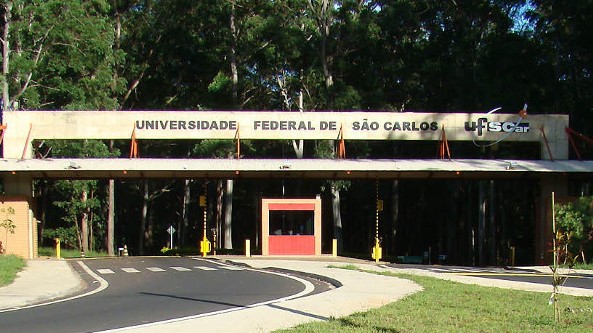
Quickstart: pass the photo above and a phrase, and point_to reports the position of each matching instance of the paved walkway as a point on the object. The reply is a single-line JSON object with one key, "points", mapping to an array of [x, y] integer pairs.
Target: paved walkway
{"points": [[360, 291], [41, 280]]}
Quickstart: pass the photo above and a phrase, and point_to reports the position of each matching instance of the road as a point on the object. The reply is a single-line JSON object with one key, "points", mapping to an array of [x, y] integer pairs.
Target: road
{"points": [[515, 274], [145, 290]]}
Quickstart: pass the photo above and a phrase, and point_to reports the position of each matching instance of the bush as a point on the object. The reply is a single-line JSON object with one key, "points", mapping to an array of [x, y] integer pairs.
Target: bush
{"points": [[67, 236], [574, 230]]}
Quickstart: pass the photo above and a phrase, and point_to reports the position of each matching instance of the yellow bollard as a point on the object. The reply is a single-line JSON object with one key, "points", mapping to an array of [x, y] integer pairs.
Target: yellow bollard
{"points": [[205, 246], [334, 248], [377, 253], [247, 248], [58, 249]]}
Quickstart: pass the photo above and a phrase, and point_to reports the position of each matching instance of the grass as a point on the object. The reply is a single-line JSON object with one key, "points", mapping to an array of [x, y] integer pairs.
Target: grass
{"points": [[446, 306], [583, 266], [9, 266], [68, 253]]}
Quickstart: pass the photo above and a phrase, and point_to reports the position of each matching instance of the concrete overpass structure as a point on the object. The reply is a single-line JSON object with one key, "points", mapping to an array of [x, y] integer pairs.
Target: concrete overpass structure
{"points": [[22, 171], [18, 168]]}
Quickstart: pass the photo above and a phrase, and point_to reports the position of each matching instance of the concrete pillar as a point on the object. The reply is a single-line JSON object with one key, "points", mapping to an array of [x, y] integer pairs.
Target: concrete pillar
{"points": [[17, 203]]}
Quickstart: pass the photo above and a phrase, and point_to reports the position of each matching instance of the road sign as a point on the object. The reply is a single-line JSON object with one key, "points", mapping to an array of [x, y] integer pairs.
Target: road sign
{"points": [[171, 230]]}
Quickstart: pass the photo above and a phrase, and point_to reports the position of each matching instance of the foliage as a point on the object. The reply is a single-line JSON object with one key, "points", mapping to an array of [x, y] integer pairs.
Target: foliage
{"points": [[574, 225], [69, 253], [183, 251], [441, 56], [10, 265], [63, 55], [68, 236]]}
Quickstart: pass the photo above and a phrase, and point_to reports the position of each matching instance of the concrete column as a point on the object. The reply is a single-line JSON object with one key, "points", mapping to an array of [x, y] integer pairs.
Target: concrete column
{"points": [[555, 138], [18, 193]]}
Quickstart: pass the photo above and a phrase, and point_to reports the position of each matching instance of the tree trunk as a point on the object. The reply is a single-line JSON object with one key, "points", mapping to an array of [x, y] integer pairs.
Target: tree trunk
{"points": [[44, 206], [394, 214], [234, 72], [482, 223], [228, 215], [492, 226], [84, 225], [337, 216], [149, 236], [143, 216], [6, 54], [219, 194], [110, 234], [183, 228], [298, 145], [91, 218]]}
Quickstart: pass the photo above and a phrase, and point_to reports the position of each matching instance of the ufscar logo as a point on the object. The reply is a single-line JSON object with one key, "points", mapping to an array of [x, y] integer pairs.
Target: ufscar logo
{"points": [[496, 126]]}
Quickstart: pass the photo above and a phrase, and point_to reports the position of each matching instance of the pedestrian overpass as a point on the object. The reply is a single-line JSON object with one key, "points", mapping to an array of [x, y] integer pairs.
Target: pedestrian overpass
{"points": [[18, 168]]}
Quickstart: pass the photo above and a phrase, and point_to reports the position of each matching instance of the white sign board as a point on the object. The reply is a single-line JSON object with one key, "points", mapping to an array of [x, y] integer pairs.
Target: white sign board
{"points": [[279, 125]]}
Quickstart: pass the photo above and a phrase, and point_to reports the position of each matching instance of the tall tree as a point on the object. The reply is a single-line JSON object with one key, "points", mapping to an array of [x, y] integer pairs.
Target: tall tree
{"points": [[565, 30]]}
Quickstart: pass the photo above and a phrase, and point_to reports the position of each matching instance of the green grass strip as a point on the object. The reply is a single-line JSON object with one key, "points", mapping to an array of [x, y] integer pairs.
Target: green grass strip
{"points": [[446, 306], [10, 265], [68, 253]]}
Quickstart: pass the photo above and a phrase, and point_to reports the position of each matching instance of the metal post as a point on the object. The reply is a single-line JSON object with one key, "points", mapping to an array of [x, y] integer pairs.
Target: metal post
{"points": [[247, 248], [555, 259], [377, 253], [58, 248], [205, 243], [334, 248]]}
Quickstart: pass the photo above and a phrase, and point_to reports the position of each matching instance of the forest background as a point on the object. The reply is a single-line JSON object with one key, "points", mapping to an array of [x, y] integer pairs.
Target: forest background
{"points": [[290, 55]]}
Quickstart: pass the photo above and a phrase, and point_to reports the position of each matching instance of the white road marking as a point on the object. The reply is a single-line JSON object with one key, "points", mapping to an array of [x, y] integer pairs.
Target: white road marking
{"points": [[155, 269], [130, 270], [205, 268], [105, 271], [180, 269], [102, 286], [232, 268], [308, 289]]}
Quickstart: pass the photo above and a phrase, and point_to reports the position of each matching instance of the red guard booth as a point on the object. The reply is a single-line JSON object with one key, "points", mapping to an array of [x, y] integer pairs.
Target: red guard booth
{"points": [[291, 226]]}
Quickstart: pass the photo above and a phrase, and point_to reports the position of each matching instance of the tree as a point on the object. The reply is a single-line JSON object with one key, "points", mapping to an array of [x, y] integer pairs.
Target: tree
{"points": [[222, 149], [77, 197], [574, 225], [564, 31], [57, 54]]}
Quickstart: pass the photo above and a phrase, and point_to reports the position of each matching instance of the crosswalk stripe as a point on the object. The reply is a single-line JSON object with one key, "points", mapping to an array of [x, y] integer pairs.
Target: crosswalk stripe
{"points": [[205, 268], [130, 270], [155, 269], [105, 271], [232, 268], [181, 269]]}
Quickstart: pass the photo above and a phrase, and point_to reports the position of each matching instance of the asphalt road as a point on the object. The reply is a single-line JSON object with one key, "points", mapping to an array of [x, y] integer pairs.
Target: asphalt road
{"points": [[145, 290], [573, 280]]}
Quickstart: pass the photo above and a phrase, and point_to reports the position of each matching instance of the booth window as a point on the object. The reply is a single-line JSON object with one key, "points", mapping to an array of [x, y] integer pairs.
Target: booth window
{"points": [[291, 222]]}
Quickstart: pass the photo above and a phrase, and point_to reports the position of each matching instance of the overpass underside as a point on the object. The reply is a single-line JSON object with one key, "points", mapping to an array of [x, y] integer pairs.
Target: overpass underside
{"points": [[460, 206], [139, 168]]}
